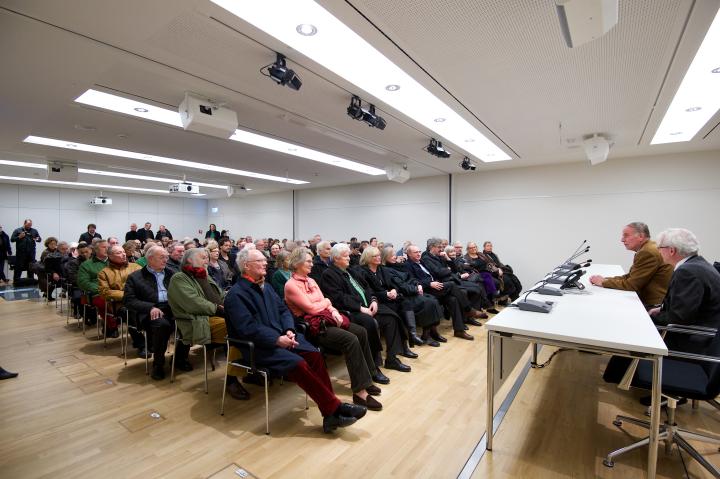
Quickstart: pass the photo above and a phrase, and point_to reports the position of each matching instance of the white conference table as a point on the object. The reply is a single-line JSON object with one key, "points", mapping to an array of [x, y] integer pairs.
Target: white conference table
{"points": [[604, 321]]}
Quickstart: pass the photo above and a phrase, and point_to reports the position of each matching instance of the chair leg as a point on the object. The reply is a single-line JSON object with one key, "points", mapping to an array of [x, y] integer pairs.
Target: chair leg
{"points": [[267, 403], [147, 359], [227, 368], [699, 437], [205, 364], [638, 422], [714, 403], [608, 461], [682, 443], [84, 315]]}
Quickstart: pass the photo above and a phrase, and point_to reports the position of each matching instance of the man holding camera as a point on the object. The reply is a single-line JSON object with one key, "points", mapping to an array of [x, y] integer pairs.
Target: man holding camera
{"points": [[25, 238]]}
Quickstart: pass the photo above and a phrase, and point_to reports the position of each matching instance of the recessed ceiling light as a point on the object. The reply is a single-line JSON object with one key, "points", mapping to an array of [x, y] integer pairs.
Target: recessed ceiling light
{"points": [[392, 87], [700, 88], [123, 105], [439, 120], [692, 109], [89, 185], [306, 29], [140, 110], [156, 159], [363, 65]]}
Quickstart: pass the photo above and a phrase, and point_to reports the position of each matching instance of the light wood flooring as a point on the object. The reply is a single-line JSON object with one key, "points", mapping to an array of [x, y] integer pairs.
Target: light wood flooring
{"points": [[76, 412]]}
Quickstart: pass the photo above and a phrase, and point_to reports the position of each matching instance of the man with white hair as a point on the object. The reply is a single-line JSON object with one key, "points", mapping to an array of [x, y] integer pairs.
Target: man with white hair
{"points": [[254, 311]]}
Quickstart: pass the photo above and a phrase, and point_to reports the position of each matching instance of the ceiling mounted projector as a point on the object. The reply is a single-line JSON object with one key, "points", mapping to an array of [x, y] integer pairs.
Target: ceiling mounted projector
{"points": [[207, 117], [582, 21], [184, 187], [61, 170], [597, 148], [100, 201], [397, 172]]}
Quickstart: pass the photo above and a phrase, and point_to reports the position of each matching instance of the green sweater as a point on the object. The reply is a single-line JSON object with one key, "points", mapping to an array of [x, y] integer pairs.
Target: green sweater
{"points": [[87, 274], [190, 308]]}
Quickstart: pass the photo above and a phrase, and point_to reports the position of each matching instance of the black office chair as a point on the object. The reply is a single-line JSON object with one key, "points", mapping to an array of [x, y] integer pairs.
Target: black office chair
{"points": [[684, 375]]}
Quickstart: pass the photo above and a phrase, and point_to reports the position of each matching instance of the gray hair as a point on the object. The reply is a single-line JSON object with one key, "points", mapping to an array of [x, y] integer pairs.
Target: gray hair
{"points": [[242, 258], [449, 249], [640, 228], [96, 244], [322, 245], [684, 241], [433, 242], [189, 255], [386, 253], [153, 250], [297, 257], [338, 250]]}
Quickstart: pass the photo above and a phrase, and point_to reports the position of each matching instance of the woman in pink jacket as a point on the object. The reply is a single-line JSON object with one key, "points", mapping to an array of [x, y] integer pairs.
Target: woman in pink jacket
{"points": [[329, 329]]}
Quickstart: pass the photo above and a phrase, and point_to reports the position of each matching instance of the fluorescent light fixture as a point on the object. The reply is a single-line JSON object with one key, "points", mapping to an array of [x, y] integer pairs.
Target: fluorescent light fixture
{"points": [[89, 185], [40, 166], [360, 63], [118, 104], [698, 98], [101, 150]]}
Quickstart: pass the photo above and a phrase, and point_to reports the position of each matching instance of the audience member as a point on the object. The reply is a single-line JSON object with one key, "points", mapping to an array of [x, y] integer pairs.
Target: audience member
{"points": [[274, 250], [90, 234], [131, 252], [256, 313], [470, 280], [132, 234], [5, 253], [353, 295], [474, 260], [321, 261], [212, 233], [218, 270], [145, 234], [163, 232], [649, 276], [24, 238], [88, 271], [282, 273], [512, 287], [111, 284], [113, 240], [52, 260], [71, 274]]}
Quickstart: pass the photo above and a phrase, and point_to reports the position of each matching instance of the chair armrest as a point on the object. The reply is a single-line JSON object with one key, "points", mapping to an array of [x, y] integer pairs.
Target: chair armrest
{"points": [[693, 330], [245, 344], [694, 357]]}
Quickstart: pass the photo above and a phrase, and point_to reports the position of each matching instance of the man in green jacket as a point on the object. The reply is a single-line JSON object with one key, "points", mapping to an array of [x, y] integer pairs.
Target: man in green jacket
{"points": [[87, 274]]}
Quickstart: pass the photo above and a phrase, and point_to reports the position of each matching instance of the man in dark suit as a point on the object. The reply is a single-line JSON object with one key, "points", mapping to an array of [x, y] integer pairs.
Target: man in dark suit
{"points": [[146, 295], [24, 238], [693, 297], [132, 234], [5, 252], [163, 233], [89, 235], [145, 234], [253, 311], [448, 294]]}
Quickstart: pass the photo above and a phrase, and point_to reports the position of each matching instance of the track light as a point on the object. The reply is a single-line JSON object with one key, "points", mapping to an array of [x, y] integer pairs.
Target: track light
{"points": [[368, 115], [466, 164], [282, 75], [436, 148]]}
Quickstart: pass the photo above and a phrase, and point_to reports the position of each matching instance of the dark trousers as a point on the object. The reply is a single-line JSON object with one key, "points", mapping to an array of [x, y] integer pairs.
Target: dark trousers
{"points": [[476, 294], [312, 377], [371, 326], [353, 344], [389, 325], [2, 270], [22, 263], [453, 299], [489, 284]]}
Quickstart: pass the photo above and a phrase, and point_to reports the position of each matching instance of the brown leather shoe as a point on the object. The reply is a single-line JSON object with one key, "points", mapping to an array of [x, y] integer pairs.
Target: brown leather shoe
{"points": [[373, 390], [371, 403], [463, 335], [237, 391]]}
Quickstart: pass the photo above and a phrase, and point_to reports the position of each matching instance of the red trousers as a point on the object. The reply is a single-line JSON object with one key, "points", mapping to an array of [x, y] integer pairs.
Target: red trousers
{"points": [[311, 375], [100, 304]]}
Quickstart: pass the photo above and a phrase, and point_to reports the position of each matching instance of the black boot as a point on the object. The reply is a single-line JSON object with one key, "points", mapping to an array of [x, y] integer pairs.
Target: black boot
{"points": [[414, 339]]}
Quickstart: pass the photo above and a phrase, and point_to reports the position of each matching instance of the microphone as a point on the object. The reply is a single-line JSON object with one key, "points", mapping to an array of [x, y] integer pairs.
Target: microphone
{"points": [[569, 263], [556, 278]]}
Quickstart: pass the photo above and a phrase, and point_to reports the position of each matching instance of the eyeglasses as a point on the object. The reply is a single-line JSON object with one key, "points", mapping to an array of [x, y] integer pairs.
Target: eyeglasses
{"points": [[661, 247], [256, 260]]}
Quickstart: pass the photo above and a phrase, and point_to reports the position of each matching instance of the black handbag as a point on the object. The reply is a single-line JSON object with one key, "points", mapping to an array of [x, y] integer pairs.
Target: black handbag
{"points": [[90, 315]]}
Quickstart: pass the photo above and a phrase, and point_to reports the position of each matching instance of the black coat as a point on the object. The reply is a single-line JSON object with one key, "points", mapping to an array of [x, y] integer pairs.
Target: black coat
{"points": [[379, 282], [86, 238], [693, 298], [215, 235], [5, 246], [132, 235], [260, 316], [335, 285], [318, 268], [25, 246], [161, 234], [143, 235], [141, 291]]}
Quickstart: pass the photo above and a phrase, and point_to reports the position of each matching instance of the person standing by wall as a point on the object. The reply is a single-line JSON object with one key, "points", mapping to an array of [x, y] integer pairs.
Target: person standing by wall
{"points": [[25, 238]]}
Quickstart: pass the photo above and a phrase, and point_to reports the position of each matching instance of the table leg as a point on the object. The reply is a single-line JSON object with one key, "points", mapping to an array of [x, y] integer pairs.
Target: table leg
{"points": [[533, 361], [654, 416], [490, 392]]}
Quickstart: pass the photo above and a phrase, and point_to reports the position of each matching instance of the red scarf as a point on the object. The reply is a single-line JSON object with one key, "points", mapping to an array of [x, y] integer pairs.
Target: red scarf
{"points": [[200, 273]]}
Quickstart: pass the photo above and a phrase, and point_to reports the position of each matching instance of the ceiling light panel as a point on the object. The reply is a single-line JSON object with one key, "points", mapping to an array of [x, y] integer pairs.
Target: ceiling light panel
{"points": [[89, 185], [101, 150], [698, 98], [119, 104], [360, 63]]}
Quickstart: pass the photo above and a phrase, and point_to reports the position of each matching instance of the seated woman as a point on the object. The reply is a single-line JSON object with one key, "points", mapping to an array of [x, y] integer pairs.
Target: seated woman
{"points": [[427, 311], [511, 284], [329, 329], [354, 296], [52, 259], [468, 276], [274, 251], [281, 274], [390, 301], [218, 270], [197, 304], [131, 252], [472, 261]]}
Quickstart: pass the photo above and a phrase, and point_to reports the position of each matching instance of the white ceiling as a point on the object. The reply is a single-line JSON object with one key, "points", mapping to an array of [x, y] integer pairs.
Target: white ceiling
{"points": [[501, 64]]}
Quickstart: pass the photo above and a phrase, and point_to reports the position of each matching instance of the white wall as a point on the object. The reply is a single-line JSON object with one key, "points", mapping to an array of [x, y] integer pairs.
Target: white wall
{"points": [[269, 215], [65, 213], [536, 216], [392, 212]]}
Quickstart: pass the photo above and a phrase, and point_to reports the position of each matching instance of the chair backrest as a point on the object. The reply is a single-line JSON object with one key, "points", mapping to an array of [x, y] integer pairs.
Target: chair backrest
{"points": [[713, 369]]}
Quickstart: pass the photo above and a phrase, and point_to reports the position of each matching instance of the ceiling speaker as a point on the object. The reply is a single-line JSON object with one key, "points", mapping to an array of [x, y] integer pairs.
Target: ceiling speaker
{"points": [[397, 172]]}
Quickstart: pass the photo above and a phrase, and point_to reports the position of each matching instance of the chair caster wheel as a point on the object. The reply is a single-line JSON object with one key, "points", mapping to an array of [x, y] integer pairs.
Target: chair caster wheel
{"points": [[617, 423], [608, 463]]}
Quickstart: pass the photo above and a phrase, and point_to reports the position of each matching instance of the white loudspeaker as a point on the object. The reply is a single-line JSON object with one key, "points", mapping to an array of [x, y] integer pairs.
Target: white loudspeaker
{"points": [[397, 172], [597, 149], [61, 171], [203, 116], [582, 21]]}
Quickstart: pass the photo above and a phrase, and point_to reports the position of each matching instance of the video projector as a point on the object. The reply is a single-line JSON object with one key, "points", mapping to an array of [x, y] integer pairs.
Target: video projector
{"points": [[184, 187]]}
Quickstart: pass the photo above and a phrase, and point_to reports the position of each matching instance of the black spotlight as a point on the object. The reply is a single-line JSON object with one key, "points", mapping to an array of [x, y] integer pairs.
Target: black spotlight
{"points": [[354, 111], [282, 75], [466, 164], [374, 120], [435, 148]]}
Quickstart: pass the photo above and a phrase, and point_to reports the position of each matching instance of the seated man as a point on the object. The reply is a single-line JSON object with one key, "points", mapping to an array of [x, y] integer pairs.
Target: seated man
{"points": [[447, 293], [146, 295], [693, 297], [87, 275], [176, 251], [649, 276], [321, 261], [111, 283], [255, 312]]}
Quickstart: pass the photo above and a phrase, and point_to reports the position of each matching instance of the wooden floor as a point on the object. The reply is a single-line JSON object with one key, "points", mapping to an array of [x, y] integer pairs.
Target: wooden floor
{"points": [[76, 412]]}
